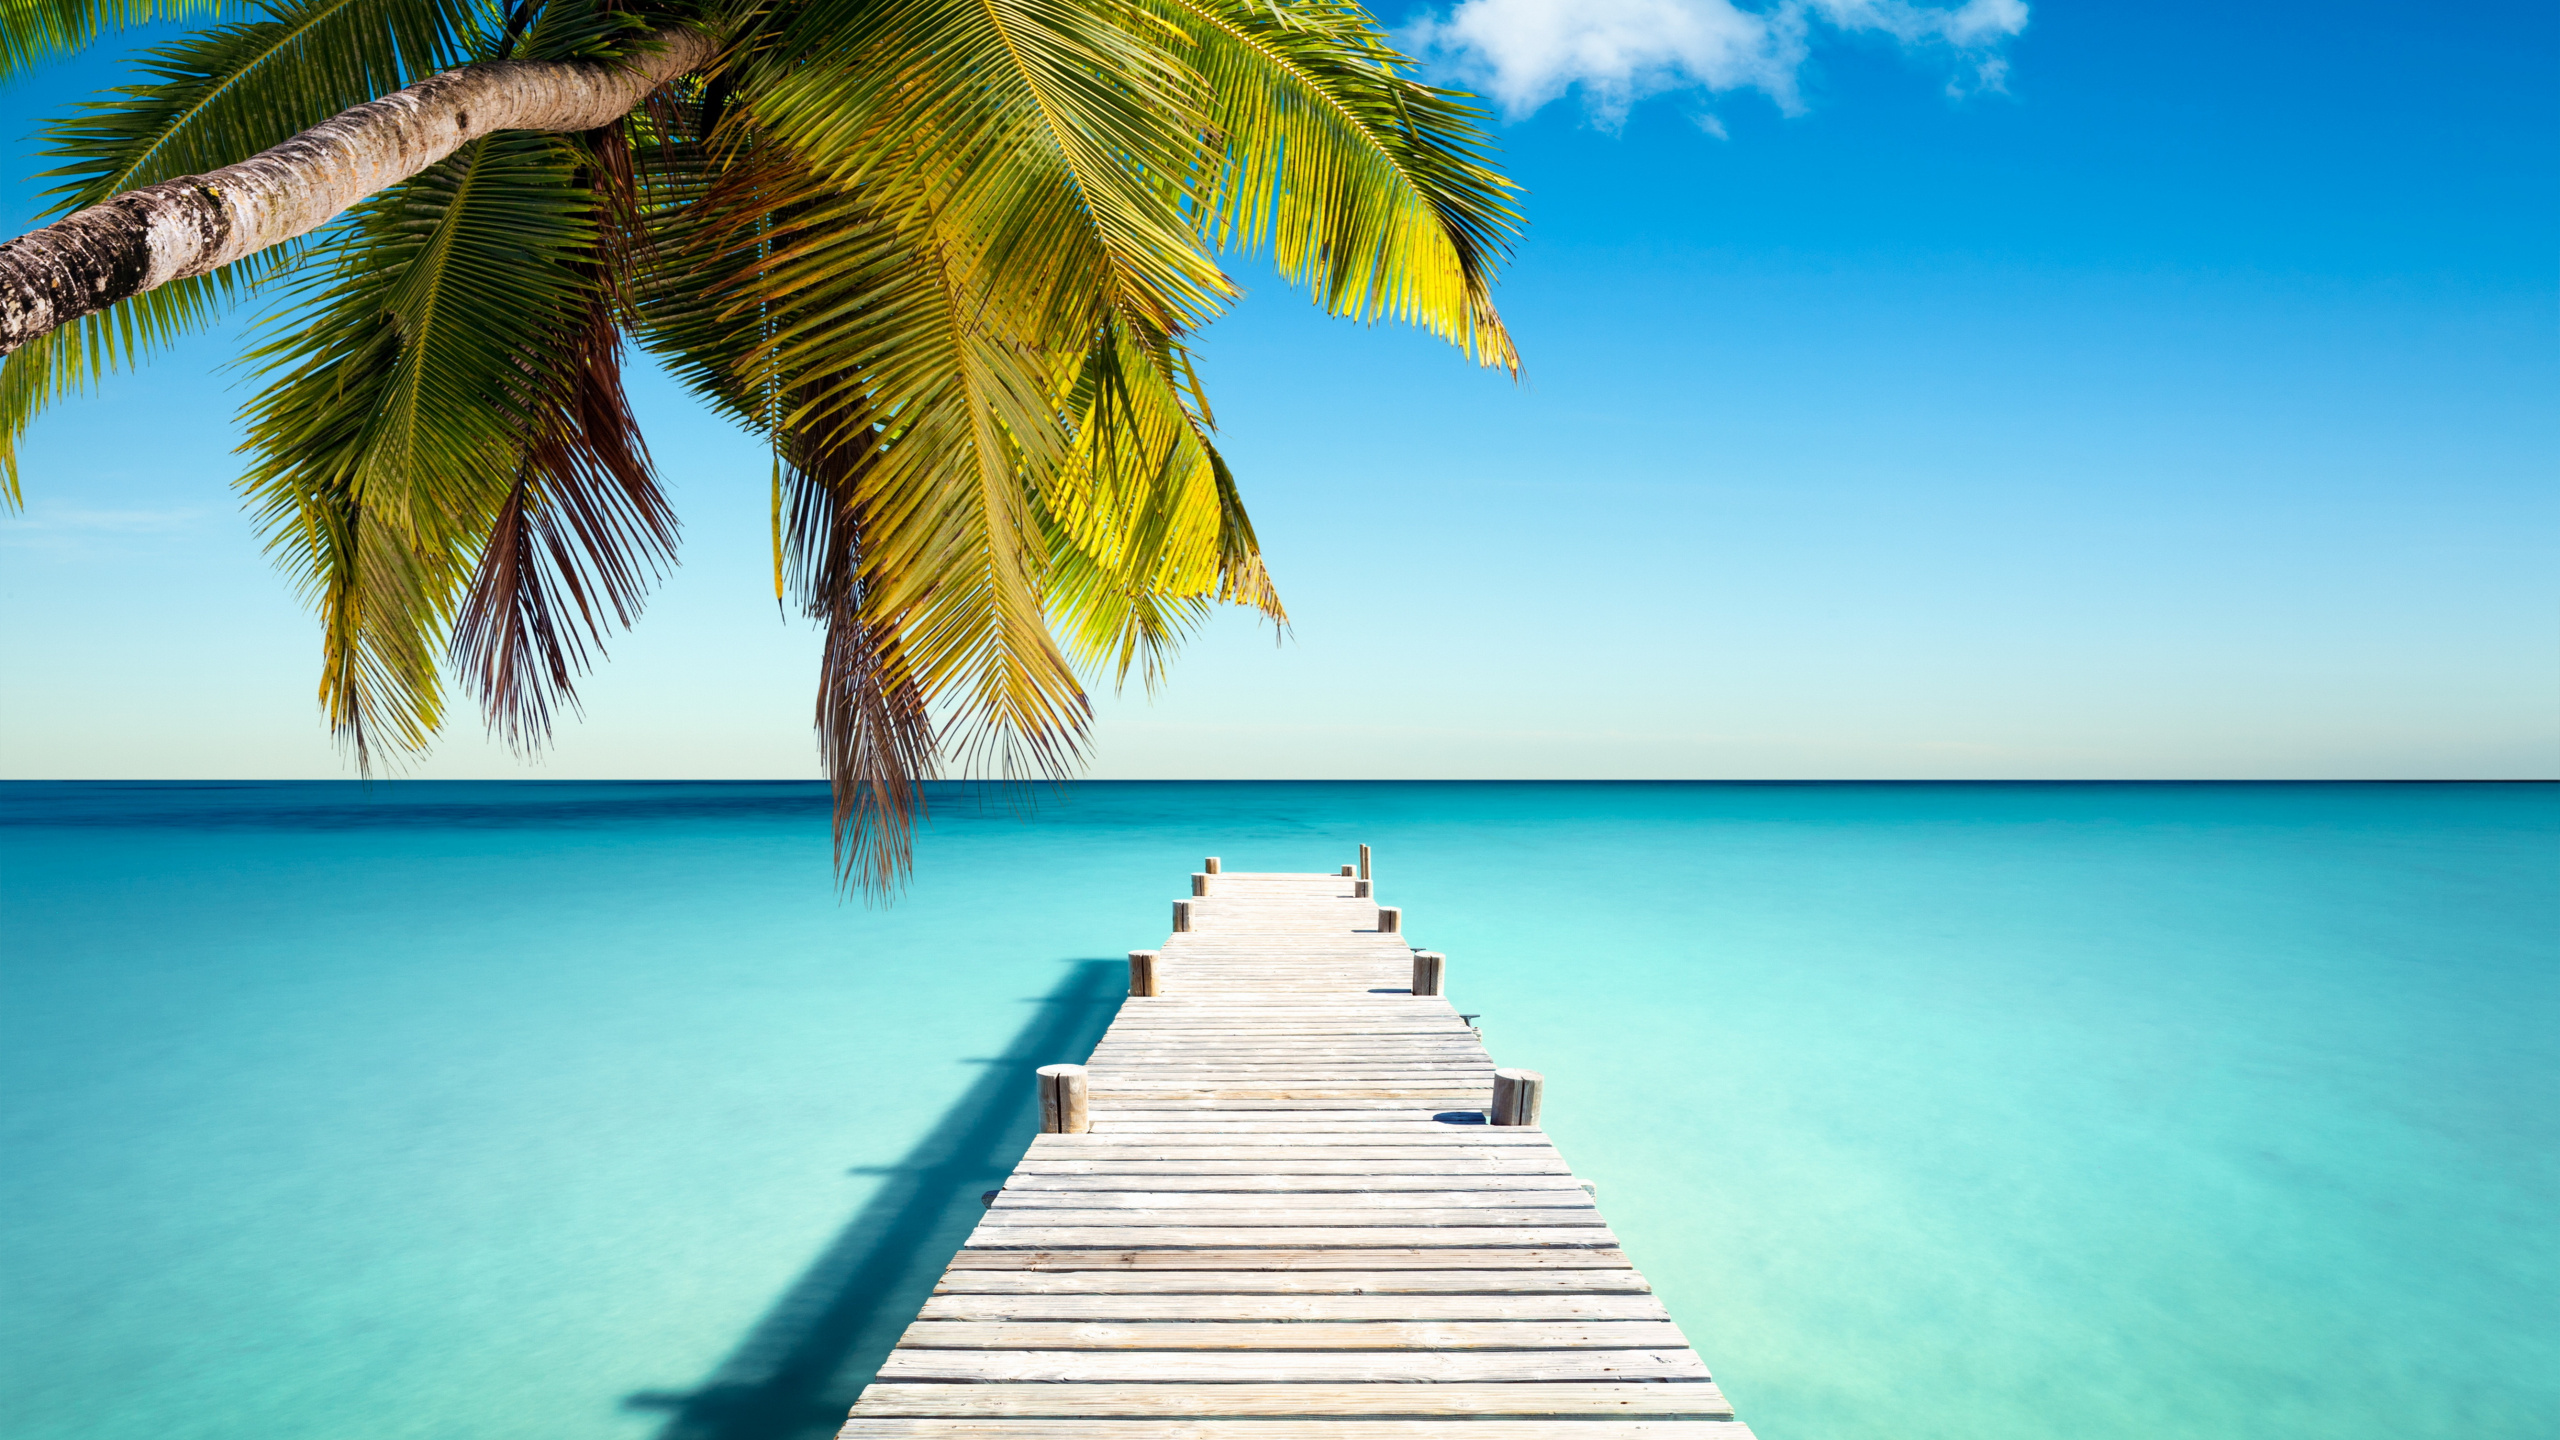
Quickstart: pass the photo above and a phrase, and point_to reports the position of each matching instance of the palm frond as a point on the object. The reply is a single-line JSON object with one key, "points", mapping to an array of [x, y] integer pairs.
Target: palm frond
{"points": [[1145, 526], [1047, 143], [427, 383], [36, 32], [586, 529], [839, 320], [1368, 187], [876, 734]]}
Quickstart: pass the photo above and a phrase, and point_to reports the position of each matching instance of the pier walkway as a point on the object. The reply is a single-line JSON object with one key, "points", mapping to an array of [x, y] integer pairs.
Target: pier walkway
{"points": [[1288, 1220]]}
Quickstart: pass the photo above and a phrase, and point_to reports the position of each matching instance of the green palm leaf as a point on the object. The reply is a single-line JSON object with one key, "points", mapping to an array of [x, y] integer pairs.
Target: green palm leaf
{"points": [[1369, 188], [33, 32], [409, 401]]}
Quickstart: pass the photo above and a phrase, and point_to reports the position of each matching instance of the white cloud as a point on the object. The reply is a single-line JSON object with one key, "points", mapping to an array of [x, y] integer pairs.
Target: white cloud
{"points": [[1527, 53]]}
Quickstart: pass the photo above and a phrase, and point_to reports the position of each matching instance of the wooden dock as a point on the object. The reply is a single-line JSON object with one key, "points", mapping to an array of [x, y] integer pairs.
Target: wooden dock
{"points": [[1289, 1220]]}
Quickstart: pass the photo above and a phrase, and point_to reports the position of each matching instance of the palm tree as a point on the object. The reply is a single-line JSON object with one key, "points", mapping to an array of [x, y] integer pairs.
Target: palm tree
{"points": [[946, 256]]}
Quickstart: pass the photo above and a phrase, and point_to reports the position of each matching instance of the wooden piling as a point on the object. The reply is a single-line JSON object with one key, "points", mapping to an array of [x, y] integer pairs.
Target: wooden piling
{"points": [[1390, 920], [1199, 882], [1516, 1096], [1181, 916], [1066, 1100], [1142, 973], [1346, 869], [1364, 864], [1359, 889], [1428, 965], [1210, 864]]}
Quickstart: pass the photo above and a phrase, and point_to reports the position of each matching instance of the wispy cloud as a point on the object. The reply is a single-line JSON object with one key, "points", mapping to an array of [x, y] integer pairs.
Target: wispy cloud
{"points": [[108, 522], [71, 531], [1528, 53]]}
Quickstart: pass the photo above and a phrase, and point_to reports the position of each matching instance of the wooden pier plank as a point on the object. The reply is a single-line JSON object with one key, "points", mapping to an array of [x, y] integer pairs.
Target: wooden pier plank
{"points": [[943, 1428], [1298, 1367], [1252, 1305], [1478, 1281], [1306, 1237], [1699, 1400], [1435, 1335], [1289, 1221], [1433, 1186]]}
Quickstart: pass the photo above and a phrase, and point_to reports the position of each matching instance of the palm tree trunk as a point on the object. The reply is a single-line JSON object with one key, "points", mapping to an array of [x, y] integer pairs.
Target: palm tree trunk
{"points": [[189, 226]]}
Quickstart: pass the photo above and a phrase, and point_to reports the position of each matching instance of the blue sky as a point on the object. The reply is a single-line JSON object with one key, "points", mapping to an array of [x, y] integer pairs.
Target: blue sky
{"points": [[2041, 390]]}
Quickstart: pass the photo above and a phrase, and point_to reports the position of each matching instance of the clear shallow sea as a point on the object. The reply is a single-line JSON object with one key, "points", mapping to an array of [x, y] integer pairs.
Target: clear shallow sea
{"points": [[585, 1110]]}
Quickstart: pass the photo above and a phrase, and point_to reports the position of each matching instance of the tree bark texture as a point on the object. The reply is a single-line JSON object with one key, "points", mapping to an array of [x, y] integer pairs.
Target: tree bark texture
{"points": [[144, 238]]}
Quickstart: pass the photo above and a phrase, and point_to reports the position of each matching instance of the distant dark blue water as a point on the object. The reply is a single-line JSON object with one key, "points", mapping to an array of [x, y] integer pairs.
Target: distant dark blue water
{"points": [[572, 1110]]}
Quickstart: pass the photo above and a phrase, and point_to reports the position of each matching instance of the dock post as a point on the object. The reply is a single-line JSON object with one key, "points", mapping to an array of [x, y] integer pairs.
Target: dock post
{"points": [[1364, 863], [1346, 869], [1390, 920], [1142, 973], [1428, 965], [1210, 865], [1066, 1103], [1516, 1094], [1199, 882], [1181, 915], [1359, 889]]}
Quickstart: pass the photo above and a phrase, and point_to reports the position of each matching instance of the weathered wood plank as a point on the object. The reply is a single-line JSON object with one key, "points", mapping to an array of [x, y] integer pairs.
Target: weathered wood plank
{"points": [[1317, 1164], [1464, 1102], [1284, 1237], [1218, 1203], [1256, 1132], [1025, 1185], [864, 1427], [1429, 1047], [1390, 1154], [1253, 1305], [1197, 1105], [1331, 1210], [1299, 1367], [1450, 1091], [1691, 1399], [1292, 1335], [1293, 1282], [1280, 1257], [1208, 1061]]}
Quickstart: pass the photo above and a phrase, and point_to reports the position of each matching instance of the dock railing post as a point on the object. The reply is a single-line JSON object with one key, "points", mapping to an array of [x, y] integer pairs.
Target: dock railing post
{"points": [[1390, 920], [1516, 1095], [1364, 864], [1066, 1100], [1346, 869], [1359, 889], [1142, 973], [1199, 882], [1181, 916], [1428, 966], [1210, 865]]}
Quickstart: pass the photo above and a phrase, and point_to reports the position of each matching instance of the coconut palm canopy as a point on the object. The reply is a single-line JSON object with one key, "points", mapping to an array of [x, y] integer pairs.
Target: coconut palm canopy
{"points": [[946, 255]]}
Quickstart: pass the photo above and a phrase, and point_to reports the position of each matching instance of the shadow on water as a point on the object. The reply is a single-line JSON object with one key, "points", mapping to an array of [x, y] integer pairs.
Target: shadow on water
{"points": [[797, 1371]]}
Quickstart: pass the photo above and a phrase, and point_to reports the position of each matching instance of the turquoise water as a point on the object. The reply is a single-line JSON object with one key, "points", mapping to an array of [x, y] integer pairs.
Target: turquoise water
{"points": [[585, 1110]]}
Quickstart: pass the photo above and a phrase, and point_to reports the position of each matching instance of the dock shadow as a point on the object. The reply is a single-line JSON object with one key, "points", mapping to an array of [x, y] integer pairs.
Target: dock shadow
{"points": [[797, 1370]]}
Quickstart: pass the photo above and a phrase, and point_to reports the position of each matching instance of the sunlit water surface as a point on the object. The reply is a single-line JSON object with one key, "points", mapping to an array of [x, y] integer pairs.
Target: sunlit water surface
{"points": [[587, 1110]]}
